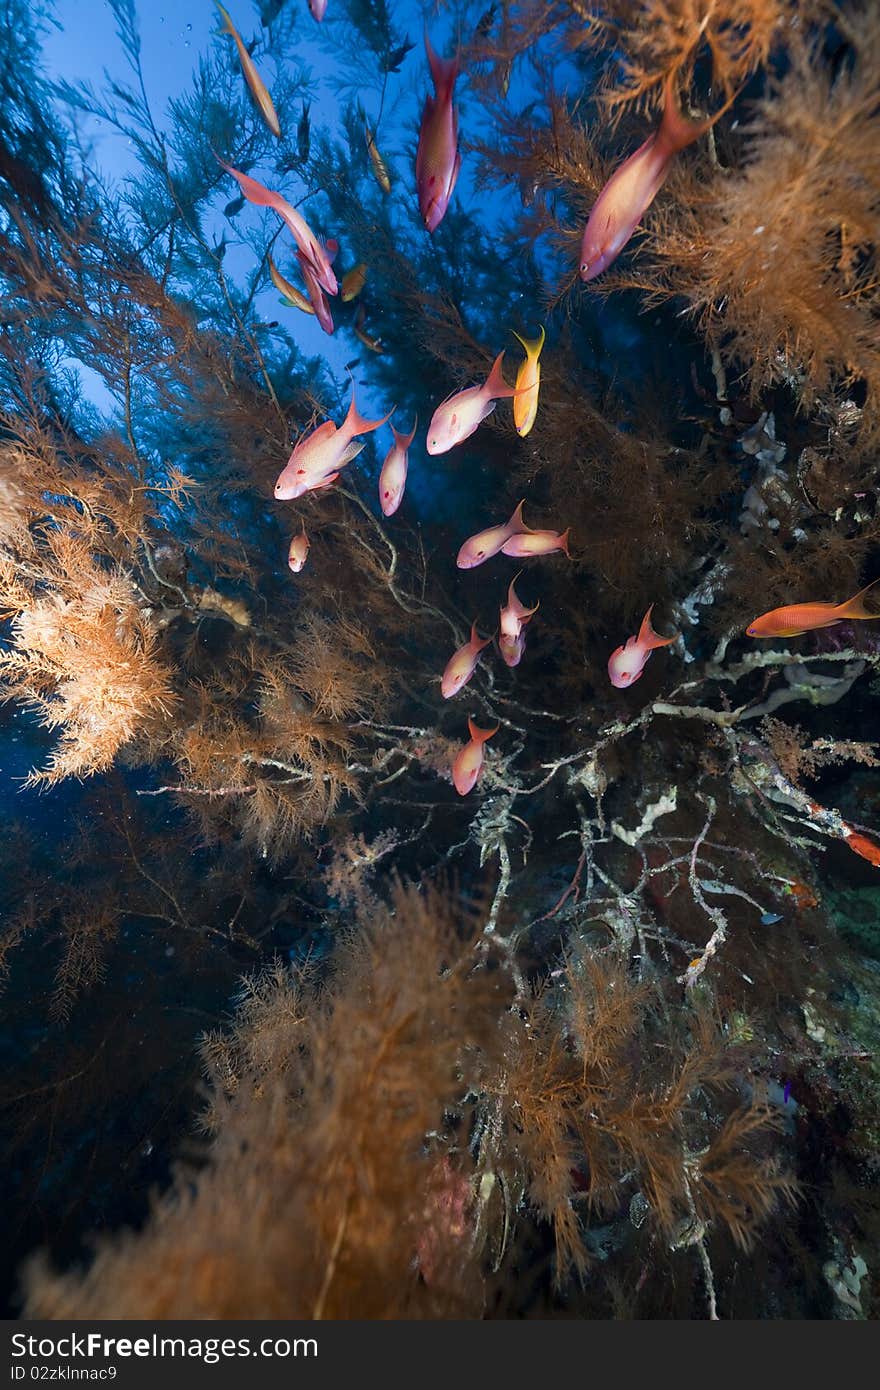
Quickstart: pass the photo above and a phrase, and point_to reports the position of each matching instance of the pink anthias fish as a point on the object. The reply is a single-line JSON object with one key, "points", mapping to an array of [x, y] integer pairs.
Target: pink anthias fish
{"points": [[317, 9], [317, 297], [299, 551], [437, 158], [392, 479], [633, 187], [468, 762], [490, 542], [308, 243], [527, 542], [512, 648], [626, 663], [514, 618], [515, 615], [317, 459], [461, 665], [457, 418]]}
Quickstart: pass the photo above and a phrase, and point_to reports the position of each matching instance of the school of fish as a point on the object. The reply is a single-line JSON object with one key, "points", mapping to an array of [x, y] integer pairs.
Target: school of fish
{"points": [[319, 457]]}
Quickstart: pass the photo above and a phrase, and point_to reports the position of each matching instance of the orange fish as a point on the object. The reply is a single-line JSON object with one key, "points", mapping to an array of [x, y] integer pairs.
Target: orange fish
{"points": [[632, 188], [796, 618], [528, 379], [468, 762], [292, 295], [257, 86], [461, 665], [804, 896], [860, 844], [299, 551]]}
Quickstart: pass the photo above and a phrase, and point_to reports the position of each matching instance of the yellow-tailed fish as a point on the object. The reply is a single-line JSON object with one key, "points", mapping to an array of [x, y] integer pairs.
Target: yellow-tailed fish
{"points": [[528, 379], [379, 167], [374, 344], [353, 282], [293, 296], [257, 86]]}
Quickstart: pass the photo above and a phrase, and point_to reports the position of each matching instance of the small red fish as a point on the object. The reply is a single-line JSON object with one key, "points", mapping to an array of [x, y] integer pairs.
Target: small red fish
{"points": [[299, 551], [461, 665], [437, 158], [257, 86], [626, 663], [631, 190], [515, 616], [392, 479], [468, 762], [487, 543], [803, 895], [317, 9], [796, 618]]}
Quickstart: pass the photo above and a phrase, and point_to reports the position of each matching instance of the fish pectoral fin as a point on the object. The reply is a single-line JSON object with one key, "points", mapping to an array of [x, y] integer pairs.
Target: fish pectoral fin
{"points": [[351, 452]]}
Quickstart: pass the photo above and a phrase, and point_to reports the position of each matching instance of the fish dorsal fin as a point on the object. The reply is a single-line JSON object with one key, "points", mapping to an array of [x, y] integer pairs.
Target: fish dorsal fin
{"points": [[325, 431]]}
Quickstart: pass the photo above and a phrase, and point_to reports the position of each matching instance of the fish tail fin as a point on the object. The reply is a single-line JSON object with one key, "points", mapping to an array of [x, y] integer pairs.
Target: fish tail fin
{"points": [[476, 640], [563, 542], [516, 521], [444, 71], [481, 735], [648, 637], [856, 607], [402, 440], [532, 346], [676, 130], [355, 423], [495, 386]]}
